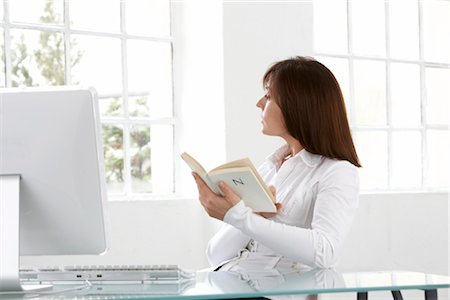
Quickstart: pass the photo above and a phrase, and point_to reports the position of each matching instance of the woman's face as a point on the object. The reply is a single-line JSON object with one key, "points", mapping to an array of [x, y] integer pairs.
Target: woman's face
{"points": [[271, 117]]}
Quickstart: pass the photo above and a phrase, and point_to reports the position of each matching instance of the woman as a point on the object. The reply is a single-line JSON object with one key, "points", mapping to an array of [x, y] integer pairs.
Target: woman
{"points": [[314, 177]]}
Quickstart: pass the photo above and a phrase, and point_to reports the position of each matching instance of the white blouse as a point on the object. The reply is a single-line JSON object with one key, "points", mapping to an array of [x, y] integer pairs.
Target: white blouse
{"points": [[319, 198]]}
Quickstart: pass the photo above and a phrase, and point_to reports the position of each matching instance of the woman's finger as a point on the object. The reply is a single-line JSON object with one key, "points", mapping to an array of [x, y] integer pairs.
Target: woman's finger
{"points": [[268, 215], [201, 185], [273, 190], [278, 206], [198, 179], [229, 194]]}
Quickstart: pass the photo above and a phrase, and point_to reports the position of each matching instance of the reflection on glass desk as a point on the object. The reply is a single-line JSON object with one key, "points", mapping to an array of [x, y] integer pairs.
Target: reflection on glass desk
{"points": [[220, 285]]}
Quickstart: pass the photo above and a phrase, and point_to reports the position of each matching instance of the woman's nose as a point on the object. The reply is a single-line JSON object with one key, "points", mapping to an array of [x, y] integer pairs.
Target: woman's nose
{"points": [[260, 103]]}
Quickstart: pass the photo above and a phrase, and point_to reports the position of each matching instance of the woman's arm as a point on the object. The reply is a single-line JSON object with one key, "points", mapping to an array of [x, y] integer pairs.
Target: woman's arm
{"points": [[335, 207], [229, 240], [225, 244]]}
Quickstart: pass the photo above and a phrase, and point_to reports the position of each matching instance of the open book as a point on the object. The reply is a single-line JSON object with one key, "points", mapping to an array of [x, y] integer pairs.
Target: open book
{"points": [[241, 176]]}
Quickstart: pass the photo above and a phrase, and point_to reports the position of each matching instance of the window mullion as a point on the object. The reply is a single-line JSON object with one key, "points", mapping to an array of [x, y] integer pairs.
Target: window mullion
{"points": [[139, 121], [61, 28], [126, 125], [388, 94], [7, 36], [352, 100], [377, 58], [68, 61], [423, 95]]}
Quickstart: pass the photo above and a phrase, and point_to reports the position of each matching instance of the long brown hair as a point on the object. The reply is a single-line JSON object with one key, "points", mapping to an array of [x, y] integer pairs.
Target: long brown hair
{"points": [[313, 107]]}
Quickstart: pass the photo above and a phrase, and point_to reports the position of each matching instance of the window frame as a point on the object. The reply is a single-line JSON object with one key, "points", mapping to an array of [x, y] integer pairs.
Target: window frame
{"points": [[126, 121], [350, 56]]}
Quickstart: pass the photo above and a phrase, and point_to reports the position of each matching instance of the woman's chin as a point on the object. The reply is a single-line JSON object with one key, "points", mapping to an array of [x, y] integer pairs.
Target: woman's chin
{"points": [[266, 132]]}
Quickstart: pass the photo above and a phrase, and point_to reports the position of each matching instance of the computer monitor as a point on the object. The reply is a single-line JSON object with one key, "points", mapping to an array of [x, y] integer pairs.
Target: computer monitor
{"points": [[52, 183]]}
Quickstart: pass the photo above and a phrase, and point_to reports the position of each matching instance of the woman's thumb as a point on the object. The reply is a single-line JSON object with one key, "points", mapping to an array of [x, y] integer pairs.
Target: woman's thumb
{"points": [[273, 190], [228, 193]]}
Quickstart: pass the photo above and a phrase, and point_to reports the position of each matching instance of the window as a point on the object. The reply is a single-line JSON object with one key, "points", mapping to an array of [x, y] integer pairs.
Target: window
{"points": [[124, 50], [392, 60]]}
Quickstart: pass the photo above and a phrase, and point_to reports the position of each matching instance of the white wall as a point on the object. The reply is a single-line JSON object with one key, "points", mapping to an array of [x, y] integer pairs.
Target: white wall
{"points": [[257, 34], [391, 231], [399, 231], [198, 81]]}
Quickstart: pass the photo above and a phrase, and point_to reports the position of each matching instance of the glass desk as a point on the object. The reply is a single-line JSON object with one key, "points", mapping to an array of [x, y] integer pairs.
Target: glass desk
{"points": [[227, 285]]}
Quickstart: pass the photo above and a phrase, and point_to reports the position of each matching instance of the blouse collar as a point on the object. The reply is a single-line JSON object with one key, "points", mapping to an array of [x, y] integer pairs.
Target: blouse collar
{"points": [[310, 159]]}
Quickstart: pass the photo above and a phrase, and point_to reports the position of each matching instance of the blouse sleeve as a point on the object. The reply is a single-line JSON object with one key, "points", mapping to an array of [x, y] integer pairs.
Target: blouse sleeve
{"points": [[319, 246], [225, 244]]}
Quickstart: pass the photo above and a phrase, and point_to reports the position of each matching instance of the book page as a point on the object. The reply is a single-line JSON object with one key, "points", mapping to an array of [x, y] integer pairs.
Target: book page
{"points": [[197, 168], [193, 164], [244, 182], [240, 165], [245, 162]]}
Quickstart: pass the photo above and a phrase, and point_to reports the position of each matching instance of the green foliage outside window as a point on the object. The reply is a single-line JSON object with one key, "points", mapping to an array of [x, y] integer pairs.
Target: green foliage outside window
{"points": [[113, 153], [140, 159]]}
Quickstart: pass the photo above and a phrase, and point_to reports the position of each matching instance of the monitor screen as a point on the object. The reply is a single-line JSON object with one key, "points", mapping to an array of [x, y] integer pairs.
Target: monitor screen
{"points": [[51, 138]]}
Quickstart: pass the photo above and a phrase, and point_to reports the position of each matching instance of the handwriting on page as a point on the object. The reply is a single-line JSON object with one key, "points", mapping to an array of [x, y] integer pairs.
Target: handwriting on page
{"points": [[237, 182]]}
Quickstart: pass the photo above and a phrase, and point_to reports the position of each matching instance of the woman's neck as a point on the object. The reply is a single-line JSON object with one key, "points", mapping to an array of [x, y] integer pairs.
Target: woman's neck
{"points": [[294, 145]]}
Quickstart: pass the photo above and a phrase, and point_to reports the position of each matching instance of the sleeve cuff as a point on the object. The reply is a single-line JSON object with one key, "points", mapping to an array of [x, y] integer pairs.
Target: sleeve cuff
{"points": [[236, 213]]}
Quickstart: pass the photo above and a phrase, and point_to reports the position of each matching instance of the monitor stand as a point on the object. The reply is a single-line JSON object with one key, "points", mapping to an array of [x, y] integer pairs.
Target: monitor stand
{"points": [[9, 237]]}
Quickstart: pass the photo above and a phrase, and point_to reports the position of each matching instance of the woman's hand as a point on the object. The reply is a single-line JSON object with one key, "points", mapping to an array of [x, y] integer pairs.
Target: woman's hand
{"points": [[216, 205], [277, 205]]}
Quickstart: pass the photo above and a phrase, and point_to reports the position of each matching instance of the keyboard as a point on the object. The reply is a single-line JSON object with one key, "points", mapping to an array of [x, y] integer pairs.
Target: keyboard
{"points": [[106, 274]]}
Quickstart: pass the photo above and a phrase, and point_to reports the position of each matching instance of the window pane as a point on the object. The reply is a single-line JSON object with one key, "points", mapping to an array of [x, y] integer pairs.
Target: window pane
{"points": [[102, 15], [368, 27], [113, 154], [149, 72], [370, 92], [405, 95], [436, 27], [111, 107], [371, 147], [330, 14], [162, 158], [141, 181], [339, 68], [404, 29], [148, 17], [406, 159], [37, 58], [96, 61], [2, 61], [138, 106], [438, 95], [438, 149], [37, 11]]}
